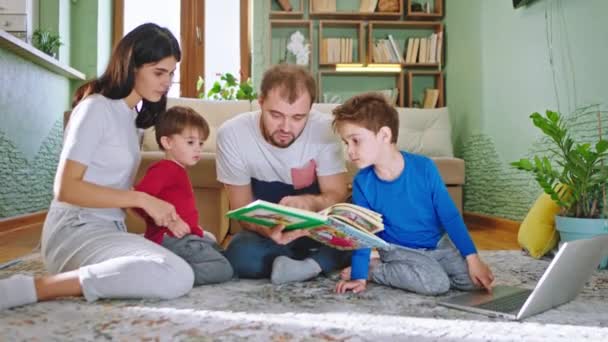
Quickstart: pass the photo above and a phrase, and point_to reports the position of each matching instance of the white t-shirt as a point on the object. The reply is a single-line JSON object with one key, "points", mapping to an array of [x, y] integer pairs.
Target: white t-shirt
{"points": [[102, 135], [245, 157]]}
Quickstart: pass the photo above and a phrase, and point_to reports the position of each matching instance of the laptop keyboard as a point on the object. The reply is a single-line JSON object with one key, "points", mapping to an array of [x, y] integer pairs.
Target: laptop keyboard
{"points": [[508, 303]]}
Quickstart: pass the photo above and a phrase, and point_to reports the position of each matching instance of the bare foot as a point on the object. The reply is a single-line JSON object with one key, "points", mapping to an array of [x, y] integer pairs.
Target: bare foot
{"points": [[373, 262]]}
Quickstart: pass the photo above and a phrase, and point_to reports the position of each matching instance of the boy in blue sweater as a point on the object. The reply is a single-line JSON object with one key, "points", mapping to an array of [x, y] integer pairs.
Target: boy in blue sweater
{"points": [[418, 212]]}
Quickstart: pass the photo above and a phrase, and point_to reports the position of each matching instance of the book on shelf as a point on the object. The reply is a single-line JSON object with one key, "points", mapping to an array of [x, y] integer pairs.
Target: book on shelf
{"points": [[431, 96], [368, 6], [343, 226], [285, 5], [398, 55], [323, 5]]}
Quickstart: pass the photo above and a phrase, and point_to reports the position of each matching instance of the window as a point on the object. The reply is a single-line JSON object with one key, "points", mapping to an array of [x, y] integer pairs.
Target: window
{"points": [[137, 12], [210, 47]]}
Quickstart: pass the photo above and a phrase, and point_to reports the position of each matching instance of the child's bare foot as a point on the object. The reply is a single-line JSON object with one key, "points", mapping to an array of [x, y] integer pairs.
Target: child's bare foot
{"points": [[373, 262]]}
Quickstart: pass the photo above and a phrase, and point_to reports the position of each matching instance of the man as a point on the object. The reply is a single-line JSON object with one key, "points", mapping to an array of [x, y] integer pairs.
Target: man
{"points": [[284, 154]]}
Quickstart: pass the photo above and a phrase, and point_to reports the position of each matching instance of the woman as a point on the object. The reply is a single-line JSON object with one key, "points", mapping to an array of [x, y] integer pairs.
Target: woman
{"points": [[85, 244]]}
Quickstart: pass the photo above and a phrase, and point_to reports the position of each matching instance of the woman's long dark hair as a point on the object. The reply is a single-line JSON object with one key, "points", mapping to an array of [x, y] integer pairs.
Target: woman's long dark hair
{"points": [[147, 43]]}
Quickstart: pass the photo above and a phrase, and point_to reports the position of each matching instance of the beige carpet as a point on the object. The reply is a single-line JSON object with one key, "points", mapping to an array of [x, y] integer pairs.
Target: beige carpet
{"points": [[310, 311]]}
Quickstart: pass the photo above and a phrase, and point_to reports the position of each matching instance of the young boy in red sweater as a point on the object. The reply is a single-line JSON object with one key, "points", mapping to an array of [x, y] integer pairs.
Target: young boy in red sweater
{"points": [[180, 133]]}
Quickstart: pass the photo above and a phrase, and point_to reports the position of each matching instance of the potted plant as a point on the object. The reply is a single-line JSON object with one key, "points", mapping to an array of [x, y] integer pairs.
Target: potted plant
{"points": [[577, 184], [47, 42], [227, 88]]}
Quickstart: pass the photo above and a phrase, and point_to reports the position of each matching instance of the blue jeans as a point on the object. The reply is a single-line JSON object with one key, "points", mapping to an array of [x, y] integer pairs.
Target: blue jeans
{"points": [[251, 254]]}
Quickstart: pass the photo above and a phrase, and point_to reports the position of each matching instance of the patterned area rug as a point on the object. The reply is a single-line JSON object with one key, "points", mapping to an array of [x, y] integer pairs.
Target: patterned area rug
{"points": [[309, 311]]}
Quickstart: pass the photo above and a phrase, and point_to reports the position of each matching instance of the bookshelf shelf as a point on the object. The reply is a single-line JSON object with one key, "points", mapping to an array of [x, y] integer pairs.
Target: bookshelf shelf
{"points": [[393, 80], [415, 91], [297, 12], [348, 9], [281, 30], [436, 11], [341, 29], [401, 31]]}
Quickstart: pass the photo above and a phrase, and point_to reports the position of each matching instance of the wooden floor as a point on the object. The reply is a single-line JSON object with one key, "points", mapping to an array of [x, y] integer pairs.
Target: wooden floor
{"points": [[22, 241]]}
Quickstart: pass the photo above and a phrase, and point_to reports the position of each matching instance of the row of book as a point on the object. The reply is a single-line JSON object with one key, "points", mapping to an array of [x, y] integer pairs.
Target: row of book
{"points": [[424, 50], [386, 51], [336, 50]]}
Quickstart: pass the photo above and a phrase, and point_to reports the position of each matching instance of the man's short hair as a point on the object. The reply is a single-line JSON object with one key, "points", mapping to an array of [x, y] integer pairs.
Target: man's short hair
{"points": [[176, 119], [292, 80], [369, 110]]}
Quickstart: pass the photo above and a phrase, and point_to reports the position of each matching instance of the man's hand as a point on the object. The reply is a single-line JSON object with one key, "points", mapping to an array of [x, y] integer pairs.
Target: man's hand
{"points": [[179, 228], [305, 202], [277, 234], [356, 286], [480, 273]]}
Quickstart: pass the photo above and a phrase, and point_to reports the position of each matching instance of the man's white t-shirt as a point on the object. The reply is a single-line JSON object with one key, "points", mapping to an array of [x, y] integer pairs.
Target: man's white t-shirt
{"points": [[245, 157], [102, 135]]}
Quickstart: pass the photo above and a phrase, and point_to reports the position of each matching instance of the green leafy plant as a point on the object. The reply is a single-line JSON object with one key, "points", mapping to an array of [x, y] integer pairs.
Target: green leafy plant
{"points": [[47, 42], [227, 88], [578, 184]]}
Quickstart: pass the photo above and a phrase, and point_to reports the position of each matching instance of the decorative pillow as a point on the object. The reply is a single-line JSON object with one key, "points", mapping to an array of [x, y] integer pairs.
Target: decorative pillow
{"points": [[537, 233]]}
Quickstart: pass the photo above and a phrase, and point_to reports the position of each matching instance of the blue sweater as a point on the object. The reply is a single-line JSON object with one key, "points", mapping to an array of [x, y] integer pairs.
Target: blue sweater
{"points": [[416, 207]]}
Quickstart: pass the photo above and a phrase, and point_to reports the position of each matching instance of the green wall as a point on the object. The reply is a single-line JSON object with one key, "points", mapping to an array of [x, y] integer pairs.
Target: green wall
{"points": [[504, 64], [33, 99]]}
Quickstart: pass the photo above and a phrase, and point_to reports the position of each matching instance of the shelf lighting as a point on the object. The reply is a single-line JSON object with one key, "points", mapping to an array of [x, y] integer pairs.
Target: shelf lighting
{"points": [[368, 68]]}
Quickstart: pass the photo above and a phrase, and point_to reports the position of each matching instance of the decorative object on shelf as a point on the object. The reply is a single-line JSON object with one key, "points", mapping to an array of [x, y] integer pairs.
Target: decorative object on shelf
{"points": [[578, 187], [47, 42], [388, 5], [285, 5], [298, 47], [227, 88]]}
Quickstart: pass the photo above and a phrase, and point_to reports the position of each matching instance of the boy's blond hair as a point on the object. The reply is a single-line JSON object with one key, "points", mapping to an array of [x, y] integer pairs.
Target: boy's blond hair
{"points": [[176, 119], [370, 111]]}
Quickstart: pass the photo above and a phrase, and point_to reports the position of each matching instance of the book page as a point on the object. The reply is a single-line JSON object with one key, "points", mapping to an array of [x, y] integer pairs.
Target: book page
{"points": [[271, 214], [341, 236]]}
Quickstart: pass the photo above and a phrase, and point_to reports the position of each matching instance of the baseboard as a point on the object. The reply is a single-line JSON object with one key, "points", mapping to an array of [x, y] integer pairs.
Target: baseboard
{"points": [[17, 222], [490, 222]]}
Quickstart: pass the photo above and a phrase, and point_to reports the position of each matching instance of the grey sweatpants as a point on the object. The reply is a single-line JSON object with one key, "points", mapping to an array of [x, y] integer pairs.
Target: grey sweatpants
{"points": [[205, 257], [111, 262], [424, 271]]}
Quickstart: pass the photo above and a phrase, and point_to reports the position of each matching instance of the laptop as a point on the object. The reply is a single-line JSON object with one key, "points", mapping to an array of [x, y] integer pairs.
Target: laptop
{"points": [[567, 274]]}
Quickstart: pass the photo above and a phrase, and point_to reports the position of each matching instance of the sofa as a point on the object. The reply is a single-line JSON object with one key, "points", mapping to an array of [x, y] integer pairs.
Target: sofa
{"points": [[423, 131]]}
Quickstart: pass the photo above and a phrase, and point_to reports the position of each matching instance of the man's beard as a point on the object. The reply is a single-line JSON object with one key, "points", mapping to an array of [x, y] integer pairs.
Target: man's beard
{"points": [[278, 143]]}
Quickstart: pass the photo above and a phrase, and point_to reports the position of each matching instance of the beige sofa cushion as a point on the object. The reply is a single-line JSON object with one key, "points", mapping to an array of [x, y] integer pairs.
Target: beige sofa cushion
{"points": [[425, 131]]}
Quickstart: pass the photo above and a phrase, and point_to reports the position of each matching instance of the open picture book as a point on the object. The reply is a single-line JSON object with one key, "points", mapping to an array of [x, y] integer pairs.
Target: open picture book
{"points": [[342, 226]]}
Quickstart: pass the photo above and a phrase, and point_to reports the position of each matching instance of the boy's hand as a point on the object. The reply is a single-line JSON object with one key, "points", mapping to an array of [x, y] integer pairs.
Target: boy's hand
{"points": [[480, 273], [356, 286], [179, 228]]}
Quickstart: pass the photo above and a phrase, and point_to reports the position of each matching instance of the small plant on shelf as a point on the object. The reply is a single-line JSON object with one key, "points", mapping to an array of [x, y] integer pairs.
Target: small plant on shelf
{"points": [[47, 42]]}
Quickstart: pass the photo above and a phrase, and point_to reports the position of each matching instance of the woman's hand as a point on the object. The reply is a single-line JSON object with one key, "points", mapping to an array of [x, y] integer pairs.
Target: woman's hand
{"points": [[163, 213], [480, 273]]}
